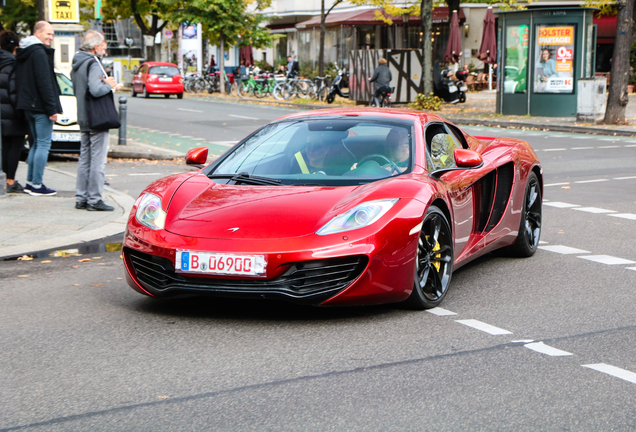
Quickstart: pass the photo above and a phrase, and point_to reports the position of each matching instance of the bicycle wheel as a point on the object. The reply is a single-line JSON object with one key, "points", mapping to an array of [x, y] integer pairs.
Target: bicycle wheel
{"points": [[304, 88], [199, 85], [259, 90], [322, 94], [281, 91], [243, 89]]}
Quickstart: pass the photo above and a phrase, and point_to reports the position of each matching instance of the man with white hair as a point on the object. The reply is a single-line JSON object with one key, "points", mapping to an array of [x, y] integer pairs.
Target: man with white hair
{"points": [[88, 75], [39, 97]]}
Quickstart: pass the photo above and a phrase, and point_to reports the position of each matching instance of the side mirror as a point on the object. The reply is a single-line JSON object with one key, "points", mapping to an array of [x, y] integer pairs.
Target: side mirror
{"points": [[197, 156], [467, 158]]}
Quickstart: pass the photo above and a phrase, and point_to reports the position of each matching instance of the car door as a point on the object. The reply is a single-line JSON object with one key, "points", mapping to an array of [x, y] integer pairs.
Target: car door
{"points": [[441, 141], [138, 79]]}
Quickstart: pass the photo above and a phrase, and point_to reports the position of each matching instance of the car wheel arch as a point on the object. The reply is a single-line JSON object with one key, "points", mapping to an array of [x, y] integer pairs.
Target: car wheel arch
{"points": [[441, 204]]}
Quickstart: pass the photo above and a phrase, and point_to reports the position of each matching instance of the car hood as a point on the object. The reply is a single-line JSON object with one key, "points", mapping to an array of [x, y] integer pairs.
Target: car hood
{"points": [[205, 209]]}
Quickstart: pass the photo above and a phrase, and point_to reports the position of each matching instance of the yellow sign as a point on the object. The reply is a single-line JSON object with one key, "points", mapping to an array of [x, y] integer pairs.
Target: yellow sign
{"points": [[64, 11]]}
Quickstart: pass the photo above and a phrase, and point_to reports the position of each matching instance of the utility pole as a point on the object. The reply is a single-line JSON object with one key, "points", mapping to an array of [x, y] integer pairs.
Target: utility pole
{"points": [[42, 9]]}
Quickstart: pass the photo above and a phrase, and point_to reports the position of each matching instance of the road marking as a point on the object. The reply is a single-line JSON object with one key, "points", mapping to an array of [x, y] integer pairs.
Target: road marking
{"points": [[582, 137], [523, 341], [186, 136], [607, 139], [144, 174], [607, 259], [223, 143], [556, 184], [613, 371], [592, 181], [629, 216], [593, 210], [542, 348], [440, 311], [631, 268], [559, 204], [606, 147], [555, 149], [581, 148], [243, 117], [198, 139], [631, 145], [483, 327], [189, 110], [563, 250], [111, 175], [624, 178]]}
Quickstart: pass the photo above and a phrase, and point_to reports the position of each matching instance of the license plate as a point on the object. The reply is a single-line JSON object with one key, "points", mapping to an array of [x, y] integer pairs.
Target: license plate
{"points": [[452, 89], [219, 263], [463, 88], [165, 79], [66, 136]]}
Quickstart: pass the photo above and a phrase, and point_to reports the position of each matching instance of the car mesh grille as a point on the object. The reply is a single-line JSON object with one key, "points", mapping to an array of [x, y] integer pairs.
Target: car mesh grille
{"points": [[300, 280]]}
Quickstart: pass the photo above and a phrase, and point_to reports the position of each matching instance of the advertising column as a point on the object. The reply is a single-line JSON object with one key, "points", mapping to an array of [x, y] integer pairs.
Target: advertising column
{"points": [[515, 68], [554, 61], [190, 47]]}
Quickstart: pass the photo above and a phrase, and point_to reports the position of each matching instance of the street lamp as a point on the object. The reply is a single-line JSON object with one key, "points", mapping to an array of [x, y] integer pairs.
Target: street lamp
{"points": [[405, 19]]}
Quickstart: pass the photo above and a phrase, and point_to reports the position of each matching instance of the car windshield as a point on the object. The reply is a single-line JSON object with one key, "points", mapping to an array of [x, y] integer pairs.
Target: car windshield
{"points": [[65, 84], [164, 70], [322, 151]]}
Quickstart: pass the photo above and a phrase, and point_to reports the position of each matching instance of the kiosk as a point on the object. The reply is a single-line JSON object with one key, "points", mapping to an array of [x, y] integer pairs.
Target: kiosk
{"points": [[542, 55]]}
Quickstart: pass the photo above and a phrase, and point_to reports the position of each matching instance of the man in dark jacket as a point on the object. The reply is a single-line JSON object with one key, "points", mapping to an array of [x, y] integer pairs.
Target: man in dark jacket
{"points": [[89, 76], [382, 78], [292, 67], [14, 126], [38, 96]]}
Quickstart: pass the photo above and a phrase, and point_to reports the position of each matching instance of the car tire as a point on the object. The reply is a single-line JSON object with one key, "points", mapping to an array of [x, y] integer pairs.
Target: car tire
{"points": [[145, 92], [434, 262], [133, 93], [530, 224], [167, 96], [179, 95]]}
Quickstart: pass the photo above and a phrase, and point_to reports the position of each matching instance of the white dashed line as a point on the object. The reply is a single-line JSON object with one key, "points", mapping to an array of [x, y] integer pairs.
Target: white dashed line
{"points": [[484, 327], [582, 137], [607, 259], [198, 139], [189, 110], [631, 145], [542, 348], [243, 117], [613, 371], [593, 210], [607, 147], [581, 148], [629, 216], [556, 184], [555, 149], [631, 268], [592, 181], [440, 311], [564, 250], [559, 204], [624, 178], [111, 175]]}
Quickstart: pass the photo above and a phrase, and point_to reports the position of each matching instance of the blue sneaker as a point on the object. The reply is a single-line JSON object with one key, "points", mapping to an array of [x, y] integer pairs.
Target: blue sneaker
{"points": [[41, 191]]}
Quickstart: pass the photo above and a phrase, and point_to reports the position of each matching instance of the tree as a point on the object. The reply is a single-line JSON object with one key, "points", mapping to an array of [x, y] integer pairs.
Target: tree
{"points": [[232, 22], [15, 12], [323, 30], [151, 16]]}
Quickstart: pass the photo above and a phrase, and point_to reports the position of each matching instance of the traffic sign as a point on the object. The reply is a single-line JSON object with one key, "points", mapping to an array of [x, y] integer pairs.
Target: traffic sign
{"points": [[168, 34]]}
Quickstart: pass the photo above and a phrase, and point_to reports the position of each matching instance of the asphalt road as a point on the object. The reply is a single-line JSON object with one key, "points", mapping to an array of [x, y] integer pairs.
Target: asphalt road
{"points": [[545, 343]]}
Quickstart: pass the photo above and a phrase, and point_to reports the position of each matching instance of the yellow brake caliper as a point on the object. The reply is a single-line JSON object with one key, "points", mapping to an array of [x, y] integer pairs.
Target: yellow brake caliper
{"points": [[437, 247]]}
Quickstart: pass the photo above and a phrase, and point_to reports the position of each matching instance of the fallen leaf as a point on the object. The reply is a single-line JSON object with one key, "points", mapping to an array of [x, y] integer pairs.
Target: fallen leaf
{"points": [[101, 263], [75, 266], [99, 284], [45, 262], [23, 275], [75, 284], [96, 258], [84, 260], [25, 258], [119, 278], [163, 397]]}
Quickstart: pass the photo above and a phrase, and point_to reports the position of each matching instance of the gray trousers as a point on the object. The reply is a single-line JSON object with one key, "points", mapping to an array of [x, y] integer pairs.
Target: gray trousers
{"points": [[90, 169]]}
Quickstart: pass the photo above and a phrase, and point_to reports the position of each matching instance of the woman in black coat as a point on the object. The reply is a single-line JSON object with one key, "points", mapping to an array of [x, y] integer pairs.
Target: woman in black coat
{"points": [[14, 126]]}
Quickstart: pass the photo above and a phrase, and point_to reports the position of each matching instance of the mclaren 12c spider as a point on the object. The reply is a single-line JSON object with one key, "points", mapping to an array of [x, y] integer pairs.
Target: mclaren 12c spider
{"points": [[336, 207]]}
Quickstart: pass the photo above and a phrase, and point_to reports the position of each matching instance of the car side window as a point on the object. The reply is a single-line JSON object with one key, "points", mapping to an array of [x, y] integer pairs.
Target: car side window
{"points": [[440, 148]]}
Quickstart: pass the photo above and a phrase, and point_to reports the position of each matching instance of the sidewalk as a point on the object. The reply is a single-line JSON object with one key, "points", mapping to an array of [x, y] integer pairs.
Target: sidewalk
{"points": [[32, 224]]}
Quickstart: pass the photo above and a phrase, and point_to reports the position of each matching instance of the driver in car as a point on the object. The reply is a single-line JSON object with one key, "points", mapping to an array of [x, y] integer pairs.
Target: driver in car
{"points": [[398, 150]]}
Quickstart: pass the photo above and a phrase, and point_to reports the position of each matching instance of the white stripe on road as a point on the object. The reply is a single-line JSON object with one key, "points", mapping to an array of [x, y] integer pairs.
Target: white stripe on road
{"points": [[593, 210], [555, 149], [564, 250], [189, 110], [483, 327], [607, 259], [606, 147], [625, 178], [629, 216], [243, 117], [581, 148], [556, 184], [613, 371], [559, 204], [631, 268], [542, 348], [440, 311], [592, 181]]}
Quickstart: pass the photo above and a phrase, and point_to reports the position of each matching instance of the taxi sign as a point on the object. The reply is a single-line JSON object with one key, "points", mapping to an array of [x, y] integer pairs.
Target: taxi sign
{"points": [[64, 11]]}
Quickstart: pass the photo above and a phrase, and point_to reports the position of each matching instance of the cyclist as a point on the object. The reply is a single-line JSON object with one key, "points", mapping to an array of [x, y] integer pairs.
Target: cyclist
{"points": [[382, 78]]}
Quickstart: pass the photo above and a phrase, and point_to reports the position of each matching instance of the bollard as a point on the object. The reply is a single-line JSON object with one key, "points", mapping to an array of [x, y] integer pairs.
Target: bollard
{"points": [[122, 119]]}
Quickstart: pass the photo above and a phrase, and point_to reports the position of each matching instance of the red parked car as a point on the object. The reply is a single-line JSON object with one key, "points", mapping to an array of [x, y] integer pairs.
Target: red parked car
{"points": [[336, 207], [157, 78]]}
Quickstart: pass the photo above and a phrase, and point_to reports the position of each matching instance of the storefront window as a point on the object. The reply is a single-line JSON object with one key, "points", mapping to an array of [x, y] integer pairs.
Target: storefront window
{"points": [[554, 61], [516, 58]]}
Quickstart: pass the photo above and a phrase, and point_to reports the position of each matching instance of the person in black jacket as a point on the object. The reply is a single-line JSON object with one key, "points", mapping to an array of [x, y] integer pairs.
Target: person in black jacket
{"points": [[39, 97], [292, 67], [14, 126], [382, 77]]}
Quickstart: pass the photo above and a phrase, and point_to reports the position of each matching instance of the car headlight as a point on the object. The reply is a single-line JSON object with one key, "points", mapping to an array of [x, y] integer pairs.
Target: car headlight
{"points": [[150, 213], [360, 216]]}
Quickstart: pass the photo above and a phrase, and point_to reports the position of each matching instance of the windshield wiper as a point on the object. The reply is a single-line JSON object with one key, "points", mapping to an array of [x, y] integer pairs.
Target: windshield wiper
{"points": [[246, 178]]}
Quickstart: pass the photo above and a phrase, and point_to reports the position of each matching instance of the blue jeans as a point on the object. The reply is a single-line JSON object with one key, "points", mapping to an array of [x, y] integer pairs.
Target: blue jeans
{"points": [[41, 129]]}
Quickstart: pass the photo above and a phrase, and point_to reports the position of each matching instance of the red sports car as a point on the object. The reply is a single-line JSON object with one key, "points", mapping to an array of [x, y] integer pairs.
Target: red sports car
{"points": [[336, 207], [157, 78]]}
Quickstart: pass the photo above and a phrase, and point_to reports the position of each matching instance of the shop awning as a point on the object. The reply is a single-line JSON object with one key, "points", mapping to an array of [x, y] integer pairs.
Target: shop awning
{"points": [[605, 29], [367, 17]]}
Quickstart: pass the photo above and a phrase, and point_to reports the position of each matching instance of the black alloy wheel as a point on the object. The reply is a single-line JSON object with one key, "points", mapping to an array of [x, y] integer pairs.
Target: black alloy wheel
{"points": [[530, 225], [434, 262]]}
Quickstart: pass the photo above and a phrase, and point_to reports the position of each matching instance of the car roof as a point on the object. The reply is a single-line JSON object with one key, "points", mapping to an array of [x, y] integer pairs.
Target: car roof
{"points": [[392, 113], [160, 64]]}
